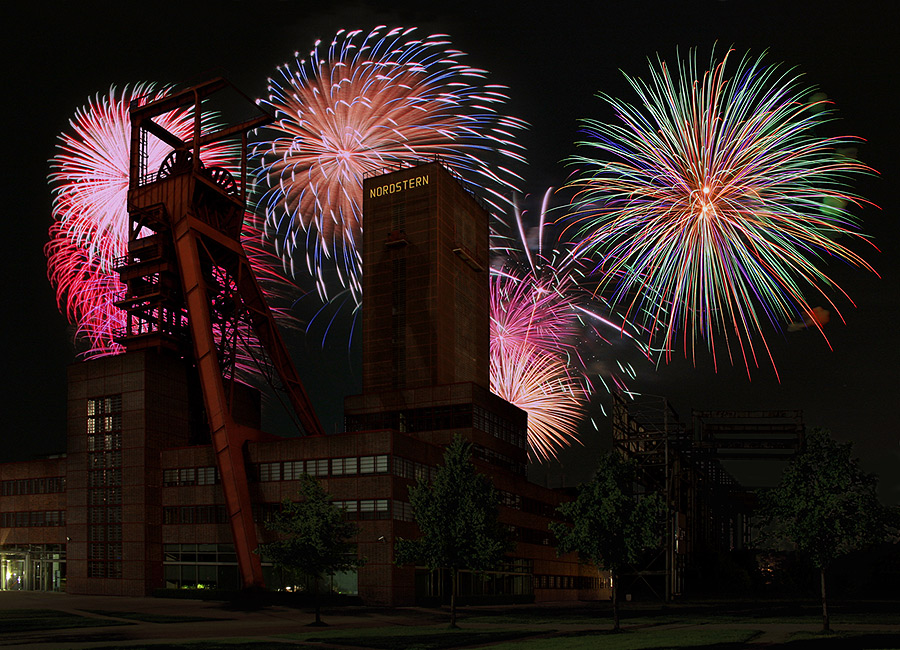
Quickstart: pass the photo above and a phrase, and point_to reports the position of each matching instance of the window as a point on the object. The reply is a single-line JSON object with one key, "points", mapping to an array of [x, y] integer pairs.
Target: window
{"points": [[104, 464], [373, 464], [317, 467], [207, 475], [270, 472], [293, 470], [187, 476], [367, 509], [345, 466], [170, 515], [351, 508], [403, 511]]}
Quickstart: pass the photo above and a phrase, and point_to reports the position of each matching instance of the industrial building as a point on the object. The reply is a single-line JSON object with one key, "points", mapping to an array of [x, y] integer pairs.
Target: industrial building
{"points": [[167, 479]]}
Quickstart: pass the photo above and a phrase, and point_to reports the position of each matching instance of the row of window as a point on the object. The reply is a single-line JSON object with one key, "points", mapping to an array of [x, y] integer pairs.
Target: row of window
{"points": [[191, 476], [499, 427], [48, 485], [365, 508], [413, 470], [566, 582], [109, 496], [526, 504], [100, 406], [104, 459], [105, 515], [33, 519], [292, 470], [104, 568], [203, 553], [204, 514], [437, 418], [532, 536], [105, 533], [105, 551], [498, 459], [102, 478], [108, 441]]}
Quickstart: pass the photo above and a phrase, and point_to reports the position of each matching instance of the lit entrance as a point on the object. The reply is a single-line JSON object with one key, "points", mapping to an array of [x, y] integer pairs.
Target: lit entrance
{"points": [[34, 567]]}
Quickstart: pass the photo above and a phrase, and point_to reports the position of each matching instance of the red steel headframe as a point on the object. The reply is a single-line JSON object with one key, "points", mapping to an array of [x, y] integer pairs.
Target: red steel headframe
{"points": [[200, 212]]}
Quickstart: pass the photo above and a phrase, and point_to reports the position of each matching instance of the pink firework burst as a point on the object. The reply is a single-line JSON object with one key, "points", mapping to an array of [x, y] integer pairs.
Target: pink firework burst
{"points": [[542, 321], [89, 181], [541, 385], [366, 103]]}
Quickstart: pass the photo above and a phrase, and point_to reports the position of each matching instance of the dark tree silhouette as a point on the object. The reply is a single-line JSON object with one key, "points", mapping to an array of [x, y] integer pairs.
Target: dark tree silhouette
{"points": [[457, 516], [313, 538], [827, 506], [610, 527]]}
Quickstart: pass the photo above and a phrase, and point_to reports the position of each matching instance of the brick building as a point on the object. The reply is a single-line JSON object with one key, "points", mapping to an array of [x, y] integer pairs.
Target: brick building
{"points": [[137, 503]]}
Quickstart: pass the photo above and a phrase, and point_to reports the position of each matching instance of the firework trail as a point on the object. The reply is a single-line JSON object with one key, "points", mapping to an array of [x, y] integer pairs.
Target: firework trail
{"points": [[365, 103], [541, 385], [718, 204], [89, 181], [541, 320]]}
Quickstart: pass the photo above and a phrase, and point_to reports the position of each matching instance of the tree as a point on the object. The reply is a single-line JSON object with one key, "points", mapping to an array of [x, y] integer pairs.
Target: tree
{"points": [[314, 537], [457, 516], [610, 527], [827, 506]]}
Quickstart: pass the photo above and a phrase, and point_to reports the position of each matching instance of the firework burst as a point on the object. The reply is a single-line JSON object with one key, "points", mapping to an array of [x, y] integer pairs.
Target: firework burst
{"points": [[541, 320], [365, 103], [89, 180], [541, 385], [718, 204]]}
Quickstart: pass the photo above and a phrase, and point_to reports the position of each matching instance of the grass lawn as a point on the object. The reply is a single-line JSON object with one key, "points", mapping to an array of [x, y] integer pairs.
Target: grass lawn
{"points": [[154, 618], [693, 613], [656, 639], [231, 644], [421, 639], [842, 641], [437, 639], [28, 620]]}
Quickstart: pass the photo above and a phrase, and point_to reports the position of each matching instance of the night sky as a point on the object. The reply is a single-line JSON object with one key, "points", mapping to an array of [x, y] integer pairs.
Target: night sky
{"points": [[554, 59]]}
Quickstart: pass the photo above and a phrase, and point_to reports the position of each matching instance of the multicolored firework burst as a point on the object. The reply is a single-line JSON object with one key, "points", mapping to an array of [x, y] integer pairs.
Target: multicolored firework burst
{"points": [[366, 103], [541, 320], [89, 179], [719, 202]]}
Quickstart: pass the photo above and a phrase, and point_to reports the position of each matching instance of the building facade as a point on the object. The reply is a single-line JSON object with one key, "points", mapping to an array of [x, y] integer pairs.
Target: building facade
{"points": [[137, 503]]}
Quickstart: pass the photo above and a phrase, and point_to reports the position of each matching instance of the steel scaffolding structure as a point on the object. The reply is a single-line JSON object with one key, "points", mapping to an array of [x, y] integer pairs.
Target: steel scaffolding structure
{"points": [[708, 509]]}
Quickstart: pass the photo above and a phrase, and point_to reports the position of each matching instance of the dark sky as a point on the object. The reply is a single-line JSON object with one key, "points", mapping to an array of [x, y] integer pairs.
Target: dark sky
{"points": [[553, 58]]}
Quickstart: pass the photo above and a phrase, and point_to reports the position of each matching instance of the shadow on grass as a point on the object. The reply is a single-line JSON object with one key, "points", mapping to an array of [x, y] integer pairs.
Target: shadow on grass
{"points": [[29, 620], [436, 641], [843, 641], [154, 618]]}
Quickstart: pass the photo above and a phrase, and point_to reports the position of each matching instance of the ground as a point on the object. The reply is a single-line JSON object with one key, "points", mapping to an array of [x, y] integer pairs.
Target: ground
{"points": [[38, 620]]}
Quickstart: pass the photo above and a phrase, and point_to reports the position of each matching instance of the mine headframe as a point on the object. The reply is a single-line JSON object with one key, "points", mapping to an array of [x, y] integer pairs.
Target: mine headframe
{"points": [[189, 284]]}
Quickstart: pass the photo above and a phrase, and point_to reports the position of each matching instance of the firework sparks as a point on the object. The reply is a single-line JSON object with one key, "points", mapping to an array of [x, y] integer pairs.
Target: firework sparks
{"points": [[89, 179], [540, 320], [719, 203], [365, 103], [540, 384]]}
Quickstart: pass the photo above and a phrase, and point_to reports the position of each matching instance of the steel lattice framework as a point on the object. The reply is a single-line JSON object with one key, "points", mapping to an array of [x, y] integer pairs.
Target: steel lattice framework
{"points": [[189, 285]]}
